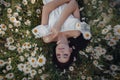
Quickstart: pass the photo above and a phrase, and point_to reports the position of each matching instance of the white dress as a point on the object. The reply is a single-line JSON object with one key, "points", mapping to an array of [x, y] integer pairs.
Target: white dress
{"points": [[71, 23]]}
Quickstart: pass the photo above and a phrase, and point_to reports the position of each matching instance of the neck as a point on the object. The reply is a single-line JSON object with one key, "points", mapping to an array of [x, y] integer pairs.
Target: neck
{"points": [[62, 39]]}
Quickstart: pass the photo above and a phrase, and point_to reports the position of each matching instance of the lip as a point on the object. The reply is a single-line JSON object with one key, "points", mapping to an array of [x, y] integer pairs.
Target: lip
{"points": [[60, 48]]}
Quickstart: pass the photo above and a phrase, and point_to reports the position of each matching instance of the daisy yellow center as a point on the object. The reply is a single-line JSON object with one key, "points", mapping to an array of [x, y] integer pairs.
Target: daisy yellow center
{"points": [[40, 60], [35, 31], [118, 31], [3, 26], [13, 19], [1, 62], [33, 60], [87, 35]]}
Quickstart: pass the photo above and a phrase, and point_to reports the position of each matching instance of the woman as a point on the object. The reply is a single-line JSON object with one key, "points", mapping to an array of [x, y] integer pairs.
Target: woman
{"points": [[60, 22]]}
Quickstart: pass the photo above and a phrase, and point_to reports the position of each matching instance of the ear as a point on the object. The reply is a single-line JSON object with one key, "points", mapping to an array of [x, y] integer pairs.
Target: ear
{"points": [[71, 50]]}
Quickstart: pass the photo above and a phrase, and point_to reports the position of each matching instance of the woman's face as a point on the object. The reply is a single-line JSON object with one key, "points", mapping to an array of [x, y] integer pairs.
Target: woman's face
{"points": [[63, 52]]}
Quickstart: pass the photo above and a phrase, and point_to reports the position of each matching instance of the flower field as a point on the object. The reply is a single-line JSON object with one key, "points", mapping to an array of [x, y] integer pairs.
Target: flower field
{"points": [[24, 57]]}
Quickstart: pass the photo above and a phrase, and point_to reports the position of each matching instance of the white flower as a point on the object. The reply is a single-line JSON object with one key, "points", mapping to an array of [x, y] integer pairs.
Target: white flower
{"points": [[27, 22], [10, 26], [10, 40], [20, 49], [39, 71], [114, 67], [33, 1], [89, 78], [15, 14], [24, 78], [9, 10], [83, 77], [38, 11], [25, 2], [26, 70], [87, 35], [12, 19], [29, 13], [26, 54], [109, 57], [71, 68], [104, 31], [117, 30], [21, 66], [9, 15], [21, 58], [26, 45], [41, 60], [94, 2], [17, 23], [3, 27], [108, 36], [9, 76], [33, 61], [95, 62], [33, 73], [2, 63], [112, 43], [8, 67], [89, 49], [11, 47]]}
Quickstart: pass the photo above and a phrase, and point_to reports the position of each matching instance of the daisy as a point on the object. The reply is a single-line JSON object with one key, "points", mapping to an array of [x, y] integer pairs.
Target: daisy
{"points": [[113, 67], [71, 68], [9, 15], [20, 66], [40, 71], [20, 49], [3, 27], [38, 11], [9, 10], [25, 2], [17, 23], [108, 36], [33, 73], [112, 43], [10, 40], [10, 26], [9, 76], [87, 35], [21, 58], [12, 19], [78, 26], [27, 22], [117, 30], [95, 62], [109, 57], [11, 47], [89, 49], [89, 78], [105, 31], [33, 1], [41, 60], [26, 70], [83, 77], [8, 67], [2, 63], [29, 13], [15, 14], [32, 61], [24, 78]]}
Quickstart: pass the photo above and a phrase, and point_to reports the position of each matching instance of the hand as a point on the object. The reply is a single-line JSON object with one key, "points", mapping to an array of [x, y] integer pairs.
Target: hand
{"points": [[55, 31]]}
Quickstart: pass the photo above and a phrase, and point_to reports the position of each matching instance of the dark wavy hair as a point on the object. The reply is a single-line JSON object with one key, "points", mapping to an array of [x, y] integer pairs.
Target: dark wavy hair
{"points": [[78, 43]]}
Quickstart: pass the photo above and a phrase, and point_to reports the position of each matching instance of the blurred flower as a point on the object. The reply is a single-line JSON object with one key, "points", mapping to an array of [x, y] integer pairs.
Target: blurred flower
{"points": [[26, 70], [89, 49], [25, 2], [29, 13], [109, 57], [117, 30], [89, 78], [8, 67], [17, 23], [2, 63], [3, 27], [87, 35], [110, 10], [83, 77], [108, 36], [9, 76], [27, 22], [94, 2], [71, 68], [33, 61], [113, 67], [41, 60], [21, 58], [10, 26], [38, 11], [20, 49], [105, 31], [95, 62], [112, 43], [33, 73], [20, 66], [26, 45], [9, 10], [10, 40], [39, 71], [33, 1], [9, 15], [24, 78], [11, 47], [12, 19], [15, 14]]}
